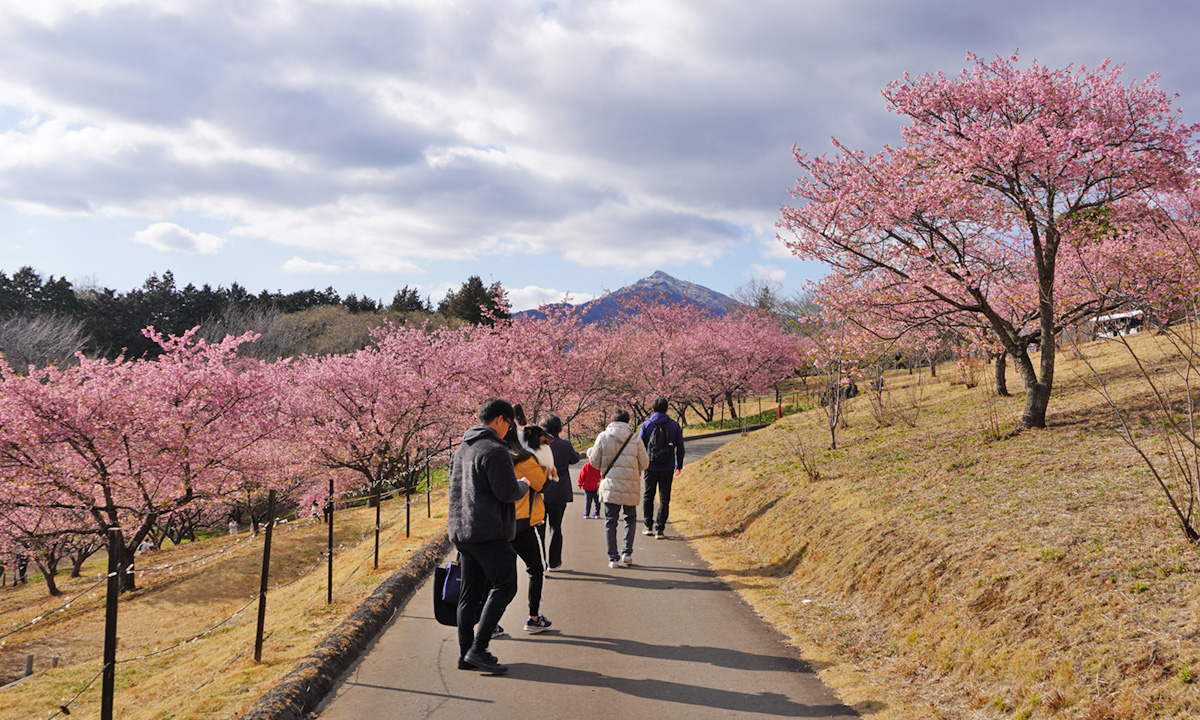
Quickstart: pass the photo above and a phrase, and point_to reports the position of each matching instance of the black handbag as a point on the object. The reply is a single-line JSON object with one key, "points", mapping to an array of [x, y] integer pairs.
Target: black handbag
{"points": [[447, 584]]}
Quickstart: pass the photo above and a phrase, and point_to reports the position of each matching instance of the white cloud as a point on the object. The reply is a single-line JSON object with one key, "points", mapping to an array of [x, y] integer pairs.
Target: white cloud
{"points": [[393, 136], [773, 249], [169, 237], [299, 265], [771, 273], [532, 296]]}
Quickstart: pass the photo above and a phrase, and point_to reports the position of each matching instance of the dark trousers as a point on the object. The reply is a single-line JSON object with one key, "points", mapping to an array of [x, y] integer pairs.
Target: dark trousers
{"points": [[589, 497], [551, 532], [660, 479], [528, 547], [611, 513], [489, 583]]}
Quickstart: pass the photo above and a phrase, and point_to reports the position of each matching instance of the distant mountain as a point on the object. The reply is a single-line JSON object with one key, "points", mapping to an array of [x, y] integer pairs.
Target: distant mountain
{"points": [[659, 286]]}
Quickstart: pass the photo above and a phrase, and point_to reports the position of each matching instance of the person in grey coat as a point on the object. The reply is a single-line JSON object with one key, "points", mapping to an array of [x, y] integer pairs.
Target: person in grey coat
{"points": [[621, 460], [482, 523]]}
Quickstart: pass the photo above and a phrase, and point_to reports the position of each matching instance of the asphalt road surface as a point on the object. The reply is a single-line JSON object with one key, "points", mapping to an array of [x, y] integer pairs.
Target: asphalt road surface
{"points": [[663, 639]]}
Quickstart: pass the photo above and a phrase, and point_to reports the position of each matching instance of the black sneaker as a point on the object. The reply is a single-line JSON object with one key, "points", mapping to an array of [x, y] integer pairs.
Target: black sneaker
{"points": [[498, 632], [538, 624], [464, 665], [485, 661]]}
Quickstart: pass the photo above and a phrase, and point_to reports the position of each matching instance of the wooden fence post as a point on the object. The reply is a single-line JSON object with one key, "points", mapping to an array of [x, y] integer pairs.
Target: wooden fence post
{"points": [[109, 671], [329, 584], [266, 567]]}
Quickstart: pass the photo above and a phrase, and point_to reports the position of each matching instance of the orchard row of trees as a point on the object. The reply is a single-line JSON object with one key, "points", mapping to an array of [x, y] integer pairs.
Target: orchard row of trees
{"points": [[45, 321], [1021, 202], [181, 440]]}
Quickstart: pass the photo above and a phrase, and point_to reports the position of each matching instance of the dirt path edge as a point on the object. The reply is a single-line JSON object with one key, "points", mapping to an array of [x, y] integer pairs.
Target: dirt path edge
{"points": [[302, 689]]}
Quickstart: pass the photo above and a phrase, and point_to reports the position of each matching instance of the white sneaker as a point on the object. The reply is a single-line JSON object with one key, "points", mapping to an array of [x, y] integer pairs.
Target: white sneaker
{"points": [[627, 560], [647, 531], [614, 564]]}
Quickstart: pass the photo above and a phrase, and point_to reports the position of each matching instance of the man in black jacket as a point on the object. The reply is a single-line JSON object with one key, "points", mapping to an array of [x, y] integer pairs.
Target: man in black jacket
{"points": [[663, 439], [482, 522]]}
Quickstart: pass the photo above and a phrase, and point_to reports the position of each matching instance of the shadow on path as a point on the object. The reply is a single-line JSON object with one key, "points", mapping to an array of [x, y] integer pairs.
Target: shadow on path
{"points": [[721, 657], [627, 577], [765, 703], [409, 691]]}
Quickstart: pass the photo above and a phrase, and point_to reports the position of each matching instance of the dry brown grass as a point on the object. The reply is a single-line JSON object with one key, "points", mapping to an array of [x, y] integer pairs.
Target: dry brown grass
{"points": [[953, 571], [215, 676]]}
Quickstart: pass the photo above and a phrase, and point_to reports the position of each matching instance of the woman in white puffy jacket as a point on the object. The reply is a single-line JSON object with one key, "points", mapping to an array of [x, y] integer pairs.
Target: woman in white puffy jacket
{"points": [[621, 481]]}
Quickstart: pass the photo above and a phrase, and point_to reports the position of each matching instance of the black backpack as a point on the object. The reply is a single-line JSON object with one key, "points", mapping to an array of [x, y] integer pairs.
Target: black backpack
{"points": [[660, 447]]}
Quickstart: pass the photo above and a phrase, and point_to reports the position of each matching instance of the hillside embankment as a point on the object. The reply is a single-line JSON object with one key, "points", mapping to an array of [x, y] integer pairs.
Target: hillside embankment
{"points": [[939, 564]]}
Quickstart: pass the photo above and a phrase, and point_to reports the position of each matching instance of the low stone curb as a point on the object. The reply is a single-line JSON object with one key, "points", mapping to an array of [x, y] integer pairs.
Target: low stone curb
{"points": [[302, 689], [734, 431]]}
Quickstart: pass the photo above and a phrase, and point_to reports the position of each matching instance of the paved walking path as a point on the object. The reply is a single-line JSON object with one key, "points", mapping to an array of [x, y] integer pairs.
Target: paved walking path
{"points": [[662, 639]]}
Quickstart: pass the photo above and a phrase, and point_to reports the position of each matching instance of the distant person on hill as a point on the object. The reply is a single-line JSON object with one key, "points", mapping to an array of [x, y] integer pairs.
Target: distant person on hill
{"points": [[663, 439], [621, 463], [559, 493], [482, 523], [22, 567], [589, 481]]}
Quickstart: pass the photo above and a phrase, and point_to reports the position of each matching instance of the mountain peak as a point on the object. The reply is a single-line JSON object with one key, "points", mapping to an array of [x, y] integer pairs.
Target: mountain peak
{"points": [[665, 288]]}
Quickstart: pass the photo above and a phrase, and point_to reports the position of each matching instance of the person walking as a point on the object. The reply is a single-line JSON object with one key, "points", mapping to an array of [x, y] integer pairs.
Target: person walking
{"points": [[589, 482], [531, 514], [482, 523], [621, 464], [663, 439], [559, 493]]}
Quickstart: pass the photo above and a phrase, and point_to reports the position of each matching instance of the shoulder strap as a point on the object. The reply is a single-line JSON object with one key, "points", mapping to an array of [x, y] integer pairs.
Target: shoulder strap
{"points": [[614, 460]]}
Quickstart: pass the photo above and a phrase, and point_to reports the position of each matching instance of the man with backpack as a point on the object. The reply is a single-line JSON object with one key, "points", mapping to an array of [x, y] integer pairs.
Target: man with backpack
{"points": [[663, 439]]}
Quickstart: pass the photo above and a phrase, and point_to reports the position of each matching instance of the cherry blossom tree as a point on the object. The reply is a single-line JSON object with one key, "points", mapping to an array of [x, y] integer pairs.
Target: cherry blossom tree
{"points": [[393, 404], [733, 356], [125, 443], [1000, 169], [553, 364]]}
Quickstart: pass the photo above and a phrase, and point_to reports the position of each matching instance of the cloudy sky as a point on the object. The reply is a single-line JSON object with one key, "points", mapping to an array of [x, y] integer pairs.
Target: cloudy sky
{"points": [[570, 146]]}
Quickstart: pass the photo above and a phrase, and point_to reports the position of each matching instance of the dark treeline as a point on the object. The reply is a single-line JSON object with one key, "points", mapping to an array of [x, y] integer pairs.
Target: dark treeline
{"points": [[45, 320]]}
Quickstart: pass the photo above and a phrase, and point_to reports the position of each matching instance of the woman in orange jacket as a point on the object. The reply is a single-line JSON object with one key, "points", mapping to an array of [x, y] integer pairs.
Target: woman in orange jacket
{"points": [[531, 511]]}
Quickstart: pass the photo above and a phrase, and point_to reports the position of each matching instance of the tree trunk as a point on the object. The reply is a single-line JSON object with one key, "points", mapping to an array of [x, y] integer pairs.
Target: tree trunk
{"points": [[1001, 377], [49, 571], [729, 403], [127, 580]]}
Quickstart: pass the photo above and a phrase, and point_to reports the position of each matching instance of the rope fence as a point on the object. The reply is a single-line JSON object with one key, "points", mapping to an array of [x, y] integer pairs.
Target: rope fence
{"points": [[385, 530]]}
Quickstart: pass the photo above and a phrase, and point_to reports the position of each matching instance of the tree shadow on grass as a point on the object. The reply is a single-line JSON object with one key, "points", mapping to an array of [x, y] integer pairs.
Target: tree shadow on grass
{"points": [[782, 567], [744, 524]]}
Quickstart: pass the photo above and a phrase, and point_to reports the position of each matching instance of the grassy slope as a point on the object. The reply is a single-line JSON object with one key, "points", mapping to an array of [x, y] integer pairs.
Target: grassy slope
{"points": [[938, 571], [214, 676]]}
